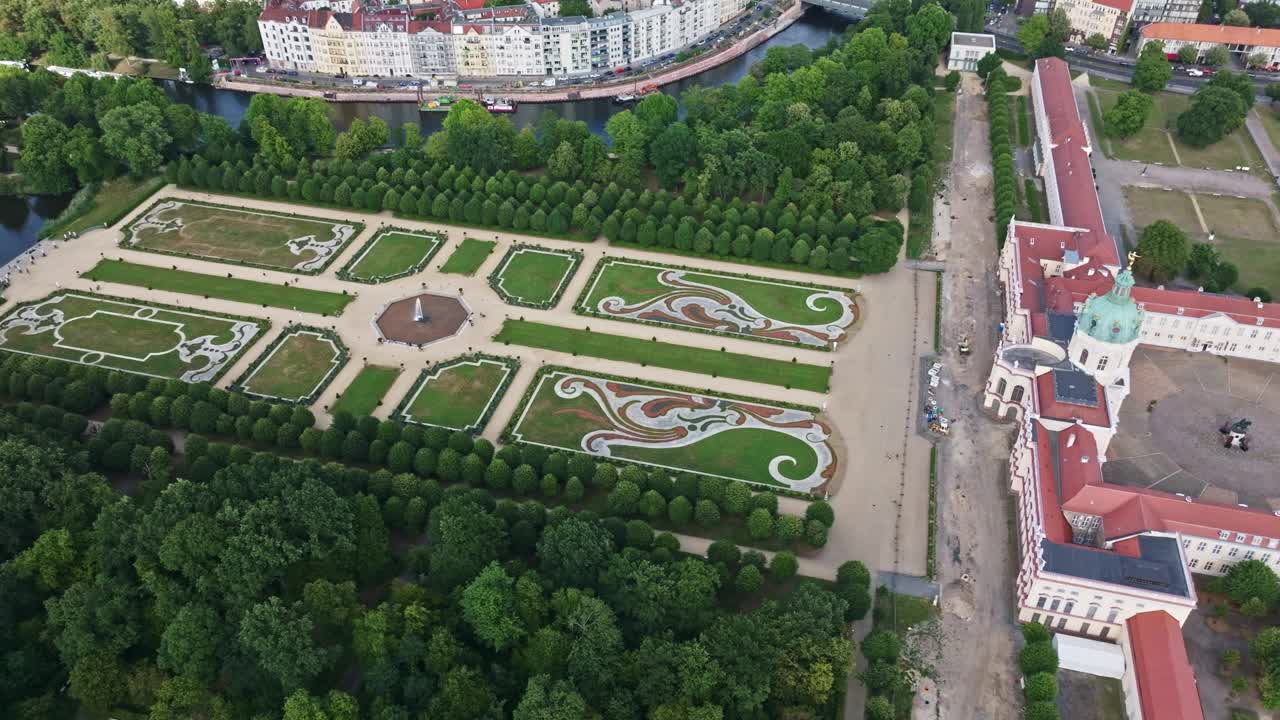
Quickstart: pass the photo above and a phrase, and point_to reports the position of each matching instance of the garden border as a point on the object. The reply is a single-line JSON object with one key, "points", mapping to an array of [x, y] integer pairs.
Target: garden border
{"points": [[263, 324], [344, 272], [495, 280], [340, 361], [400, 413], [507, 437], [123, 243], [580, 306]]}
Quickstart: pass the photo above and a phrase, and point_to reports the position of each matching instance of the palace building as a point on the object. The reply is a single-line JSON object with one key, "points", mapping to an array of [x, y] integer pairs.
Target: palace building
{"points": [[1098, 560]]}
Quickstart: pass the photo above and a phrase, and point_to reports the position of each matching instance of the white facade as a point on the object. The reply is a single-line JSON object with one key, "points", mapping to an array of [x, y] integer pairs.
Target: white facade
{"points": [[1173, 11], [1242, 42], [483, 42], [967, 49]]}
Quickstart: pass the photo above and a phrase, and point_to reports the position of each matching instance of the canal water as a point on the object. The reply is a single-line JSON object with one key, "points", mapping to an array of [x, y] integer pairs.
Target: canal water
{"points": [[21, 218]]}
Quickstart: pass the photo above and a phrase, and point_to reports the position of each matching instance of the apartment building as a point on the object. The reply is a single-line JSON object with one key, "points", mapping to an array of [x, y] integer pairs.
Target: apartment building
{"points": [[1164, 11], [463, 38], [1241, 41], [1103, 561], [1103, 17]]}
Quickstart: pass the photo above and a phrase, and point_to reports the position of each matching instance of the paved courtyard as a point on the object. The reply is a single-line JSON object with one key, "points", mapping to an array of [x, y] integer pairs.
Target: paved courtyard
{"points": [[1169, 440]]}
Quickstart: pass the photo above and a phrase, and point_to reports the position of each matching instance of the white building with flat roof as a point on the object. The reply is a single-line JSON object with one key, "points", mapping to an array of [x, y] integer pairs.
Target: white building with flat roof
{"points": [[968, 48]]}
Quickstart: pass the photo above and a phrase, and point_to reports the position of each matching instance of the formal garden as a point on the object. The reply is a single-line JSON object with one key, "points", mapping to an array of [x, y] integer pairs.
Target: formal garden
{"points": [[533, 276], [675, 428], [391, 254], [795, 313], [366, 392], [297, 367], [468, 256], [459, 394], [144, 338], [243, 237]]}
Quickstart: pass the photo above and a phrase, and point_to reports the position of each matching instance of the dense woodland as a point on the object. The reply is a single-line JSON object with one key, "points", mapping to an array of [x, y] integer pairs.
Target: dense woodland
{"points": [[80, 33], [411, 581]]}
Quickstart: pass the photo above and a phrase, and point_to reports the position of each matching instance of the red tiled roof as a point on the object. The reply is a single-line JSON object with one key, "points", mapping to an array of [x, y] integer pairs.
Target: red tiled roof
{"points": [[1166, 683], [1123, 6], [1050, 407], [1217, 34]]}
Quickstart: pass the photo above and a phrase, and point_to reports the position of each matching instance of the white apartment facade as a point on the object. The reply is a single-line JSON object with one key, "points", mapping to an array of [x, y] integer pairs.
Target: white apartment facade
{"points": [[464, 39], [1243, 42]]}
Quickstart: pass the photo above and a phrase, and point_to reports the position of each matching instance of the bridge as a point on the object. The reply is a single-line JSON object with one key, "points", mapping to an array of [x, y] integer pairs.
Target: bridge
{"points": [[856, 9]]}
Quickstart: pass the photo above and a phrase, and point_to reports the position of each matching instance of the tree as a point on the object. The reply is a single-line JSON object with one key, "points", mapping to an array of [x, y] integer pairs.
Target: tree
{"points": [[1041, 687], [1217, 56], [43, 161], [543, 699], [1214, 112], [1236, 17], [1252, 579], [1257, 60], [279, 637], [1188, 54], [97, 681], [189, 645], [574, 552], [1202, 260], [488, 604], [1039, 657], [1163, 251], [1032, 32], [1128, 115], [1263, 14], [1097, 41], [575, 8], [464, 538], [1152, 71]]}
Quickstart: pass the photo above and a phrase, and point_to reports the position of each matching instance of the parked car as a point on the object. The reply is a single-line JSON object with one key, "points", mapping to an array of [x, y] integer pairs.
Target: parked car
{"points": [[1195, 73]]}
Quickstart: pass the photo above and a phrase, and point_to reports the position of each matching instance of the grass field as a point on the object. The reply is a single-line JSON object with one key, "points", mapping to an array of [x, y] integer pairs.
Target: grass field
{"points": [[295, 368], [1147, 205], [457, 394], [113, 201], [393, 254], [244, 237], [319, 302], [674, 429], [1151, 144], [1269, 114], [626, 290], [1245, 233], [367, 390], [801, 376], [125, 335], [533, 276], [468, 256]]}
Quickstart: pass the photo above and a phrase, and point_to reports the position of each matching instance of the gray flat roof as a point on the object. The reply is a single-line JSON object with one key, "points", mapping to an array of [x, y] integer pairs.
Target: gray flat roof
{"points": [[1158, 568], [1076, 387], [975, 39]]}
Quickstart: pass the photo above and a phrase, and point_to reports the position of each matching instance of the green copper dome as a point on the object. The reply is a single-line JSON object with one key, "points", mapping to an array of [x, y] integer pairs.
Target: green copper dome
{"points": [[1114, 317]]}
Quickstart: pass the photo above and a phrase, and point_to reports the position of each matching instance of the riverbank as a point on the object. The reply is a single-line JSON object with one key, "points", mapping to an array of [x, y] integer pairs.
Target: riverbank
{"points": [[530, 95]]}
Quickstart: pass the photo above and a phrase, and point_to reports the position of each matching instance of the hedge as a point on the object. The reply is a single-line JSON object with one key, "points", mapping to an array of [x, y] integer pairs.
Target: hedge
{"points": [[1001, 160]]}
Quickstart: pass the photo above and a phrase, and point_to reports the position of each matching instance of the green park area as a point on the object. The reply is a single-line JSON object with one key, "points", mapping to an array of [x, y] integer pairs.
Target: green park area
{"points": [[320, 302], [112, 200], [674, 429], [459, 394], [132, 336], [715, 363], [296, 367], [366, 391], [533, 276], [392, 254], [243, 237], [1157, 142], [755, 309], [1244, 230], [468, 256]]}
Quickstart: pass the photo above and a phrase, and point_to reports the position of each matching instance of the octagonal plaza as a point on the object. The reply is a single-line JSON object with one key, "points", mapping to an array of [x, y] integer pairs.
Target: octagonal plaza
{"points": [[1168, 437], [443, 317]]}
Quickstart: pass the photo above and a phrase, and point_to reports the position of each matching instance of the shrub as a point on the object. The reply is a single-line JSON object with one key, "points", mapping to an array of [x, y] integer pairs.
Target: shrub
{"points": [[1041, 711], [679, 511], [707, 513], [784, 566], [821, 511], [815, 534], [882, 645], [550, 486], [749, 579], [789, 528], [760, 524], [624, 499], [573, 490], [853, 573], [1038, 657], [1041, 687], [1034, 632], [639, 534], [725, 552]]}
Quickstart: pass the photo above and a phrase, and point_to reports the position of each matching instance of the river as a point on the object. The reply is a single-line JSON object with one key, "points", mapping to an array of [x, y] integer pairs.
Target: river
{"points": [[22, 218]]}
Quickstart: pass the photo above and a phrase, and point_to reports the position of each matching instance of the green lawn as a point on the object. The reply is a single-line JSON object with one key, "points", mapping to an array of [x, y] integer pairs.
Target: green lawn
{"points": [[243, 237], [1246, 235], [393, 254], [319, 302], [899, 612], [1269, 114], [113, 201], [457, 394], [533, 276], [1147, 205], [468, 256], [131, 336], [1024, 121], [745, 440], [627, 290], [295, 368], [738, 366], [1151, 144], [366, 391]]}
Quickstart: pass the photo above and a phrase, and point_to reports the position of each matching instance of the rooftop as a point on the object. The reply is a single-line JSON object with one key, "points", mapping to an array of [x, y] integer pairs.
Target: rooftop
{"points": [[973, 39], [1166, 683], [1158, 567], [1218, 34]]}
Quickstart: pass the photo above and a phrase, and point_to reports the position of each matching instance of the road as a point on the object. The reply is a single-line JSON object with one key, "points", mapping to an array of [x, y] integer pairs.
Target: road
{"points": [[1117, 68]]}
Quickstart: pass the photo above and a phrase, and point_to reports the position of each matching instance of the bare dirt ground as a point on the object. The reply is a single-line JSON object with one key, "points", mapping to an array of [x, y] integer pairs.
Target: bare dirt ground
{"points": [[976, 557]]}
